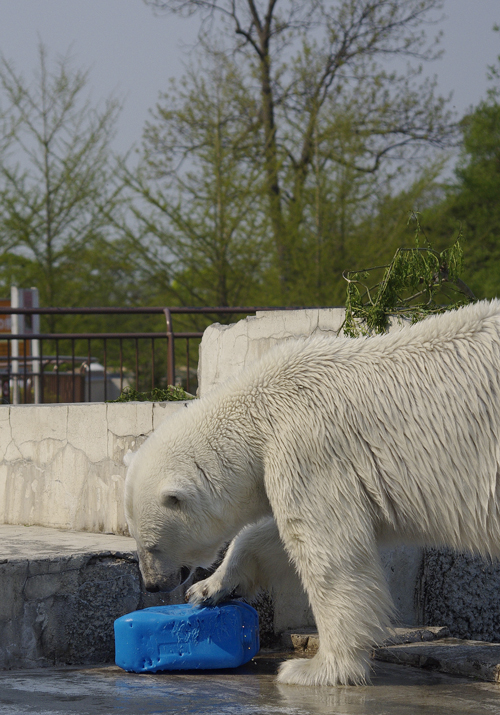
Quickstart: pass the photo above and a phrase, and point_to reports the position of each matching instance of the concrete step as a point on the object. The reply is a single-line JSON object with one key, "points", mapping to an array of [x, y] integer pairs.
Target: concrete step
{"points": [[477, 659], [307, 641], [60, 592], [425, 647]]}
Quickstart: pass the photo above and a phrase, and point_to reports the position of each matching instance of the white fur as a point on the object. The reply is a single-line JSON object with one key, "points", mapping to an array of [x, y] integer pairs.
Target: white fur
{"points": [[255, 560], [127, 458], [349, 445]]}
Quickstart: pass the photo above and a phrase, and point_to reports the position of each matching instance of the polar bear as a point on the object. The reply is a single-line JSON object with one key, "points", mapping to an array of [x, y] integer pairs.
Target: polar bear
{"points": [[317, 455]]}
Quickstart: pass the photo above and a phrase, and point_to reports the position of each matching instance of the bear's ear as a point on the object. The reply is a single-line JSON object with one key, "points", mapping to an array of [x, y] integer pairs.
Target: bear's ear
{"points": [[172, 497], [127, 458]]}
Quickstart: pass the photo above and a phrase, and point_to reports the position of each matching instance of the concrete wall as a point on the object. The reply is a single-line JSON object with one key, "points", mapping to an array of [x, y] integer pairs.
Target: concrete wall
{"points": [[227, 349], [62, 465]]}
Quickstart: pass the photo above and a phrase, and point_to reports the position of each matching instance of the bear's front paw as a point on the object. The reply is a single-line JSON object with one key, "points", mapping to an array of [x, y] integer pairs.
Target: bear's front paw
{"points": [[323, 670], [210, 591]]}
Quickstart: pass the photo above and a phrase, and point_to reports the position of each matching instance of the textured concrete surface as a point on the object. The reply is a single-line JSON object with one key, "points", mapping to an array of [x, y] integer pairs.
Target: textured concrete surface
{"points": [[250, 690], [306, 641], [461, 592], [403, 568], [416, 635], [226, 349], [61, 592], [62, 466], [450, 655], [37, 543]]}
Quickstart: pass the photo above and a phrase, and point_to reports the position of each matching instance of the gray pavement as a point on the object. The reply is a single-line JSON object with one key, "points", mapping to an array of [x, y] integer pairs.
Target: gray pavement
{"points": [[249, 690]]}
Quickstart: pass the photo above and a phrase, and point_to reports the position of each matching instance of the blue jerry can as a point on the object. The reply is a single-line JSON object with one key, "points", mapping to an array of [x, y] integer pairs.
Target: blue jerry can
{"points": [[187, 637]]}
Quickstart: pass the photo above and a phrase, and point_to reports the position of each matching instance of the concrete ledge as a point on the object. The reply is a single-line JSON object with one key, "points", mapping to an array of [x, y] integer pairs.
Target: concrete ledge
{"points": [[425, 647], [476, 659], [62, 466], [61, 593], [424, 634], [306, 641]]}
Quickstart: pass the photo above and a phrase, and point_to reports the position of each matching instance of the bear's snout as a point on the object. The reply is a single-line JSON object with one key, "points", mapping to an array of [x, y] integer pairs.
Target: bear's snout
{"points": [[167, 583], [153, 588]]}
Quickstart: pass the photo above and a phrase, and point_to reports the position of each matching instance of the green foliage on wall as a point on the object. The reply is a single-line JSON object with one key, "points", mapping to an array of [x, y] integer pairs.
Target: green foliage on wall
{"points": [[419, 281]]}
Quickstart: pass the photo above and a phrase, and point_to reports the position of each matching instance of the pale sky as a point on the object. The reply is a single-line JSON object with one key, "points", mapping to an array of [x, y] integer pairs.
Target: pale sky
{"points": [[132, 53]]}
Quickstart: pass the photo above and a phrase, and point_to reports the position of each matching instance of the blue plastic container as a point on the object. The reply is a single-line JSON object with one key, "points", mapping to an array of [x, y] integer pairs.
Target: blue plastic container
{"points": [[186, 637]]}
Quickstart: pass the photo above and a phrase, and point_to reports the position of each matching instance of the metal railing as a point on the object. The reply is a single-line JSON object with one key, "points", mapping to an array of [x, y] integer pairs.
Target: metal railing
{"points": [[92, 366]]}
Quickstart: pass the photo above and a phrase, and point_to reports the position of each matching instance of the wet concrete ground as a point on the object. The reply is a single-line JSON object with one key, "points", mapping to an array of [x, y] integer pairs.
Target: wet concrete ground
{"points": [[249, 690]]}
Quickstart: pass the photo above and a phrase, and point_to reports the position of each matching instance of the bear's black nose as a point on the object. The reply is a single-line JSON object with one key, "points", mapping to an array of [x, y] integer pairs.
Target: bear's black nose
{"points": [[152, 589]]}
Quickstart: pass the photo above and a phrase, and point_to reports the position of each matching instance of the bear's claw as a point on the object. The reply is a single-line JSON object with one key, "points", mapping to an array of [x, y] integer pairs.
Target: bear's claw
{"points": [[206, 592]]}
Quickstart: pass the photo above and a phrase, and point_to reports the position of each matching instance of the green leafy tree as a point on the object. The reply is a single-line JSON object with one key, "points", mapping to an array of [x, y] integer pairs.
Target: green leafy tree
{"points": [[57, 185], [470, 202], [199, 231], [326, 105], [476, 204], [418, 281]]}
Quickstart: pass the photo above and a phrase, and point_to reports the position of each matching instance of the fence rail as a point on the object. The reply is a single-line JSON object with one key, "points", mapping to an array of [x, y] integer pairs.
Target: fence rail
{"points": [[93, 366]]}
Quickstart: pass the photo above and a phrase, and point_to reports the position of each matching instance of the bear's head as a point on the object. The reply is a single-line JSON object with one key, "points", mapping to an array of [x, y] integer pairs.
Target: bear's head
{"points": [[181, 505]]}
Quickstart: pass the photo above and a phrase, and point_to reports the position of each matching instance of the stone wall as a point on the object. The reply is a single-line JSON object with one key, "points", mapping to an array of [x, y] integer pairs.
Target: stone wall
{"points": [[61, 592], [462, 592], [62, 465]]}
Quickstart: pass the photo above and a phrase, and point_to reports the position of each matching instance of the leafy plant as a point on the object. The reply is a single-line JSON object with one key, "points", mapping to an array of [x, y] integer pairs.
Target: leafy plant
{"points": [[58, 194], [419, 281], [170, 394], [316, 118]]}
